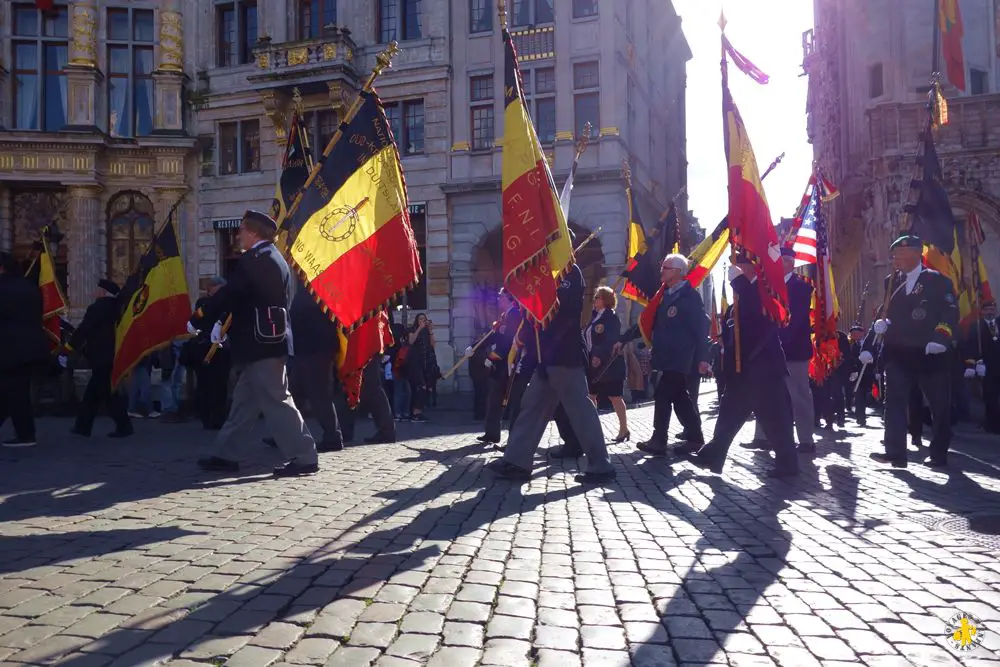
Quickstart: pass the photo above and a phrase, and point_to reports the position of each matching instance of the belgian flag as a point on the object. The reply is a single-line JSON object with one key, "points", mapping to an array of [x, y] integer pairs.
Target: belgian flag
{"points": [[54, 302], [353, 243], [295, 167], [356, 349], [641, 273], [707, 254], [154, 301]]}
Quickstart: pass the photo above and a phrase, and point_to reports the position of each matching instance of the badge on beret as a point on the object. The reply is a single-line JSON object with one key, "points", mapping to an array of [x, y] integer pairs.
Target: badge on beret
{"points": [[599, 328], [672, 311], [918, 314]]}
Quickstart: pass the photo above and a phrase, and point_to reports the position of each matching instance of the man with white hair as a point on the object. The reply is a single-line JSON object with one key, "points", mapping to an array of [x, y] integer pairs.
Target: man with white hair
{"points": [[675, 326]]}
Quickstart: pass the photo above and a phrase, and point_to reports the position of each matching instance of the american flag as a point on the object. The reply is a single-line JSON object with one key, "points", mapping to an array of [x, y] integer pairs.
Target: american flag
{"points": [[806, 239]]}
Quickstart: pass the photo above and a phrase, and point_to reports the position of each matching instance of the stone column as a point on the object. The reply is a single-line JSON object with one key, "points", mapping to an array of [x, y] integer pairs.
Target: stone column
{"points": [[86, 246], [169, 74], [6, 221], [82, 76]]}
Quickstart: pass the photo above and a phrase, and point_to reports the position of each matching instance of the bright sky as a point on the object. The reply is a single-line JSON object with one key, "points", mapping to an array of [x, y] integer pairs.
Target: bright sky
{"points": [[769, 34]]}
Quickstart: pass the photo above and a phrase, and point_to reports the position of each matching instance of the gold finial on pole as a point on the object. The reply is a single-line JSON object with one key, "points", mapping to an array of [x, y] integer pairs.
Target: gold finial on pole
{"points": [[383, 61], [626, 173], [502, 11], [297, 100]]}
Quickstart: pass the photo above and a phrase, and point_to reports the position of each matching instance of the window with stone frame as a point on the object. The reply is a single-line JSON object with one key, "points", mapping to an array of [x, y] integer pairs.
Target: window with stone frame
{"points": [[239, 147], [314, 16], [416, 298], [540, 96], [584, 8], [876, 82], [130, 41], [399, 20], [481, 15], [406, 120], [586, 96], [532, 12], [131, 225], [40, 50], [482, 120], [236, 32]]}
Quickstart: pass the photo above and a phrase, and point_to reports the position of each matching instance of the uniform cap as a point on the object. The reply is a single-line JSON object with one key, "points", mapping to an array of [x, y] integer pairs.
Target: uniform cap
{"points": [[907, 241]]}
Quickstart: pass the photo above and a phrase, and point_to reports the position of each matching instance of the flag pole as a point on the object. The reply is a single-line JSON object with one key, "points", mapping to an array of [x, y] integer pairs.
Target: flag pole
{"points": [[732, 246], [382, 62]]}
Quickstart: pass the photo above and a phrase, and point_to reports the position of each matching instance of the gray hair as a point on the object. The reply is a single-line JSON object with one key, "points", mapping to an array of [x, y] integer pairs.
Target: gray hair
{"points": [[676, 261]]}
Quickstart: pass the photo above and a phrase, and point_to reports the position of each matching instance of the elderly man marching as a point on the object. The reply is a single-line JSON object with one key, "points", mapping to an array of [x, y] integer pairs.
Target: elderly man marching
{"points": [[918, 329], [674, 324]]}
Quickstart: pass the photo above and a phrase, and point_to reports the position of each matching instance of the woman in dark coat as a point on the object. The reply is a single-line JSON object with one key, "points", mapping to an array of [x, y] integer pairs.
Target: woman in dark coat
{"points": [[607, 370], [421, 336], [23, 347]]}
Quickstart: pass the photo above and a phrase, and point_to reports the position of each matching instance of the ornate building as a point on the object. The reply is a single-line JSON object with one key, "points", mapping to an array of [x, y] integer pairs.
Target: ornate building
{"points": [[869, 67], [92, 133]]}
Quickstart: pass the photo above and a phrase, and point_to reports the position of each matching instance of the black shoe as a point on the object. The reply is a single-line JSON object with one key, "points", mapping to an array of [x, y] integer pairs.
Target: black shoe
{"points": [[564, 452], [878, 457], [624, 437], [505, 470], [19, 442], [295, 469], [762, 445], [488, 440], [782, 473], [932, 462], [379, 440], [652, 448], [683, 435], [841, 423], [215, 464], [916, 441], [687, 449], [704, 463], [121, 434], [808, 448], [420, 419], [330, 447], [595, 477]]}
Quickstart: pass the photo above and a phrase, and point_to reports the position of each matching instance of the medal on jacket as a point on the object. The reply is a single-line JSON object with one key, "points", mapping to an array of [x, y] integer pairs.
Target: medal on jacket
{"points": [[918, 314], [672, 311], [598, 328]]}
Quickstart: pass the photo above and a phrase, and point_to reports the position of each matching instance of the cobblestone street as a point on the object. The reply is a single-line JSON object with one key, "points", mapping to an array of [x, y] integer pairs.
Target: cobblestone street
{"points": [[123, 553]]}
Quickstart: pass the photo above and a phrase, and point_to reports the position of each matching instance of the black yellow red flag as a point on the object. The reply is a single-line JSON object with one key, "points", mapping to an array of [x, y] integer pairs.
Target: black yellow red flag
{"points": [[353, 243], [295, 167], [358, 348], [537, 248], [54, 301], [642, 270], [154, 301]]}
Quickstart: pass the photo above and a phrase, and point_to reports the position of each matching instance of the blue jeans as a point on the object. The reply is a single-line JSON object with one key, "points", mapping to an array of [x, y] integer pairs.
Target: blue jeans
{"points": [[401, 398], [140, 388], [172, 386]]}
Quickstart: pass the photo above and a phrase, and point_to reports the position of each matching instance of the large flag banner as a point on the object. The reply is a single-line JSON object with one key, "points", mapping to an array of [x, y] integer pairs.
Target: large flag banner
{"points": [[353, 243], [749, 216], [952, 31], [357, 349], [642, 271], [155, 303], [976, 288], [295, 167], [707, 253], [54, 303], [812, 261], [536, 246]]}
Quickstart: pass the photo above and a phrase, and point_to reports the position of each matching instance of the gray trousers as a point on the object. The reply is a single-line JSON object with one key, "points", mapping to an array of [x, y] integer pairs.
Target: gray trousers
{"points": [[803, 410], [549, 387], [262, 387]]}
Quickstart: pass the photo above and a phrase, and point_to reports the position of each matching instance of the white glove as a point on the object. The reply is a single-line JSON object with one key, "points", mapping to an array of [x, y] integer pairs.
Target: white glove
{"points": [[935, 348], [191, 330], [970, 373], [734, 272], [866, 357], [981, 369], [878, 377], [468, 351], [854, 377], [488, 363], [217, 338], [63, 361], [881, 326]]}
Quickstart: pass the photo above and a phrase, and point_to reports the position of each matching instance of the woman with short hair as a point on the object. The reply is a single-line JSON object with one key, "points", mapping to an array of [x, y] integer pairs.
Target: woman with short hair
{"points": [[606, 376]]}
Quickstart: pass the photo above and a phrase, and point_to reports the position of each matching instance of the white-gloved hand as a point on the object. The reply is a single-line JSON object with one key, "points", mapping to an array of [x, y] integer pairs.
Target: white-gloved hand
{"points": [[866, 357], [191, 330], [488, 363], [970, 373], [217, 338], [734, 272], [468, 351], [881, 326], [981, 369], [63, 361], [878, 377], [935, 348], [854, 377]]}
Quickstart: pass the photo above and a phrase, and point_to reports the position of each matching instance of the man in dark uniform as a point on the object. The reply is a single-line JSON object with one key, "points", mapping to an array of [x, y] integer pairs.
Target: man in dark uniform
{"points": [[918, 328], [501, 340], [375, 402], [212, 390], [852, 364], [258, 297], [95, 339], [759, 386], [872, 364], [479, 373], [679, 341], [982, 354], [560, 378]]}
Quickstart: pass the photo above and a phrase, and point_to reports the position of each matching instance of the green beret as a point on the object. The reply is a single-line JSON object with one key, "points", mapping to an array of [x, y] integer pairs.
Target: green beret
{"points": [[907, 241]]}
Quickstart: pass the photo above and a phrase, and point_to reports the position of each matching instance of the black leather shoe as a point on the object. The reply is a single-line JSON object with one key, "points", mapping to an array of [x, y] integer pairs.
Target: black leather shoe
{"points": [[624, 437], [704, 463], [295, 469], [809, 448], [595, 477], [215, 464], [564, 452], [652, 448], [687, 448], [916, 441], [505, 470], [330, 447], [932, 462], [762, 445], [879, 457], [379, 440]]}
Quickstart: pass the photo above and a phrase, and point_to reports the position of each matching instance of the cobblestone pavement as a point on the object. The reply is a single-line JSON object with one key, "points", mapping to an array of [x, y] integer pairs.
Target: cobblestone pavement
{"points": [[121, 553]]}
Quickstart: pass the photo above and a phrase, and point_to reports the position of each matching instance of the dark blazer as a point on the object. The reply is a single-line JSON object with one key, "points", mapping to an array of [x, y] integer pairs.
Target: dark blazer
{"points": [[313, 332], [22, 339], [982, 333], [604, 333], [761, 354], [796, 338], [95, 337], [262, 280], [680, 332], [927, 314], [562, 341]]}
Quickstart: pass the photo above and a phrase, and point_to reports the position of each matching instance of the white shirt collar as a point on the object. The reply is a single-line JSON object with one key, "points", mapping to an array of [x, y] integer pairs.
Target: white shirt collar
{"points": [[788, 276], [261, 242], [598, 313], [676, 287], [912, 275]]}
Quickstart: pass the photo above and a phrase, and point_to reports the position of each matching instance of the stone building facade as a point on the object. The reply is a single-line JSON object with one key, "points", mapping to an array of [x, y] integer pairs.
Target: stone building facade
{"points": [[869, 68], [136, 104]]}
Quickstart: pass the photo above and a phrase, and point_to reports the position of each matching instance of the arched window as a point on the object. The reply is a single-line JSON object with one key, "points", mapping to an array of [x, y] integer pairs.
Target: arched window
{"points": [[130, 231]]}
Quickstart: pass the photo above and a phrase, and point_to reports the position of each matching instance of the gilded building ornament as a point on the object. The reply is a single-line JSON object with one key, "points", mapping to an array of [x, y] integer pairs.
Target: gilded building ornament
{"points": [[329, 51], [83, 45], [171, 41], [298, 56]]}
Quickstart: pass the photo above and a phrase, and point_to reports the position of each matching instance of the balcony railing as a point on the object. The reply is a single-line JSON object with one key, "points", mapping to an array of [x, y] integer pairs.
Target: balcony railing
{"points": [[973, 123], [535, 43], [335, 46]]}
